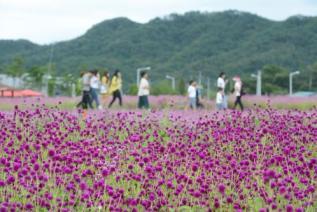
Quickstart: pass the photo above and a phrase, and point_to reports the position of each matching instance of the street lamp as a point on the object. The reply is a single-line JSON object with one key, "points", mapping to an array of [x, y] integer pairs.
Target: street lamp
{"points": [[258, 77], [173, 80], [138, 73], [291, 81]]}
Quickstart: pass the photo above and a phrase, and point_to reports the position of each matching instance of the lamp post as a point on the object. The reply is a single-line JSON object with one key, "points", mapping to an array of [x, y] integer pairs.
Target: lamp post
{"points": [[173, 80], [138, 73], [291, 81], [258, 77]]}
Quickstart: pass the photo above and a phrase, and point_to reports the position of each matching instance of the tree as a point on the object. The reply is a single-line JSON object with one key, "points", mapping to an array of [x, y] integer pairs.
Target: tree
{"points": [[51, 86], [67, 83], [274, 79], [133, 90], [182, 87], [249, 85], [35, 76], [312, 76], [16, 69], [162, 87], [78, 86]]}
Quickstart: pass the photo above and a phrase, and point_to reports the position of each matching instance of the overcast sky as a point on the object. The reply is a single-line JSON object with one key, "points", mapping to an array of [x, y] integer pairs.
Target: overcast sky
{"points": [[46, 21]]}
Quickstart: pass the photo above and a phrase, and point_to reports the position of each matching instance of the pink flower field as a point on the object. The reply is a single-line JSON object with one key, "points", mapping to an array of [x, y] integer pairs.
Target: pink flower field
{"points": [[167, 102], [258, 160]]}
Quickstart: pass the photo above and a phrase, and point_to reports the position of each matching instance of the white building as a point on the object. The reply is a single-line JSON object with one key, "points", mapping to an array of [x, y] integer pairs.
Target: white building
{"points": [[11, 81]]}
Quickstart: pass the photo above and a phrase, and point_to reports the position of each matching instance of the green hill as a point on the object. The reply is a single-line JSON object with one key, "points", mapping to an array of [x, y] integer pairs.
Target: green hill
{"points": [[182, 45]]}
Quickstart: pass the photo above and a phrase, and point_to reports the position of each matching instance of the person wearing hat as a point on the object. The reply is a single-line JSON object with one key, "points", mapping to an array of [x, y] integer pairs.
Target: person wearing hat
{"points": [[238, 92]]}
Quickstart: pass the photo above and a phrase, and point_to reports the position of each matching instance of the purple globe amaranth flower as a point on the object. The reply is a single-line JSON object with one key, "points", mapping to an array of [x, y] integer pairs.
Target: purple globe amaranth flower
{"points": [[105, 172], [85, 195], [216, 204], [132, 202], [229, 200], [28, 206], [299, 210], [274, 206], [221, 188], [289, 208], [195, 167], [16, 166], [83, 186], [236, 206], [282, 190], [36, 167], [311, 189], [51, 153], [152, 196], [10, 179]]}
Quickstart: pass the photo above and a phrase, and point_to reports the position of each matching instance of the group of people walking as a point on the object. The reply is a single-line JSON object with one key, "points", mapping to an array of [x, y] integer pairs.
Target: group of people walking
{"points": [[221, 97], [95, 86]]}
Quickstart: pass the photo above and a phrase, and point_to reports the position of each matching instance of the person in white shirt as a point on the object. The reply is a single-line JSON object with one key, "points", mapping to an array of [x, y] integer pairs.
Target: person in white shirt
{"points": [[221, 83], [192, 94], [94, 87], [238, 92], [144, 91], [219, 99]]}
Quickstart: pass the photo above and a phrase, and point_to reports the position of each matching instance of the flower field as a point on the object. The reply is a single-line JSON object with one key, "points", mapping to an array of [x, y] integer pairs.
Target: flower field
{"points": [[259, 160], [166, 102]]}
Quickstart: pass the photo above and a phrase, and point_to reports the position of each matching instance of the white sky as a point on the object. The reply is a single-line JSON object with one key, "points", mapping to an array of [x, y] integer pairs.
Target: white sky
{"points": [[46, 21]]}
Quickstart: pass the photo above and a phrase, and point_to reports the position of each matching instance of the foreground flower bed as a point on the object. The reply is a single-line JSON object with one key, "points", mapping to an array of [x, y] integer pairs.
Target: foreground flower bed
{"points": [[260, 160]]}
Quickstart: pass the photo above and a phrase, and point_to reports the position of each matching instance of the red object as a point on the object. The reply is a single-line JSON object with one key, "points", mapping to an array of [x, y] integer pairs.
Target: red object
{"points": [[30, 93], [19, 93]]}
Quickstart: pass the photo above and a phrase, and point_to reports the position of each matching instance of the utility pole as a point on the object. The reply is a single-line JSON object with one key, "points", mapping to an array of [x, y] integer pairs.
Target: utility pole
{"points": [[291, 81], [258, 77], [173, 80]]}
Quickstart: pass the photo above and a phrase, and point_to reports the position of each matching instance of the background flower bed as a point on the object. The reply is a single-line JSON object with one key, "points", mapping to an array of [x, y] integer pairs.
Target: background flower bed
{"points": [[260, 160], [167, 102]]}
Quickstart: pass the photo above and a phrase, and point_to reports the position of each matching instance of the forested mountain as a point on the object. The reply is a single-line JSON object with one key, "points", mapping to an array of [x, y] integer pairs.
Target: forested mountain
{"points": [[181, 45]]}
